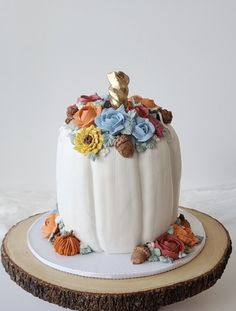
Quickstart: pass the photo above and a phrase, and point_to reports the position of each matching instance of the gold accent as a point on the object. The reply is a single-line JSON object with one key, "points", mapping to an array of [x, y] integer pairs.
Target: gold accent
{"points": [[118, 89]]}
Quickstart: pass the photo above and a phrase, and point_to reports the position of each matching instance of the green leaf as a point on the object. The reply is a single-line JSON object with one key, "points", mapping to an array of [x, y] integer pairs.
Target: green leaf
{"points": [[140, 147], [72, 137], [187, 249], [182, 254], [157, 251], [127, 130], [86, 250], [153, 258], [98, 102], [152, 142], [165, 259], [200, 238], [170, 230], [92, 156], [108, 140], [104, 152]]}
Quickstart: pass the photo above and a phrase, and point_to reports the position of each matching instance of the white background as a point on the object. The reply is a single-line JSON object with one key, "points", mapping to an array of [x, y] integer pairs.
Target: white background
{"points": [[179, 52]]}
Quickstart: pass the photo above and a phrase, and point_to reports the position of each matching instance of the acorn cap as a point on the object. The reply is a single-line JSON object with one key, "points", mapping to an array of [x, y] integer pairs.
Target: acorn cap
{"points": [[125, 145], [166, 115], [140, 254]]}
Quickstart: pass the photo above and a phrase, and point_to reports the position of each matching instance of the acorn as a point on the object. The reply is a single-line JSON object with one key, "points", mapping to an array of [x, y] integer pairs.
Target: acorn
{"points": [[166, 115], [67, 245], [71, 110], [125, 145], [140, 254]]}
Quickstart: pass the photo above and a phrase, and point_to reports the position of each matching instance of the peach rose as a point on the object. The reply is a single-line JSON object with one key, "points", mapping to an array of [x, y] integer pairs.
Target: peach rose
{"points": [[147, 102], [49, 226], [186, 235], [86, 115]]}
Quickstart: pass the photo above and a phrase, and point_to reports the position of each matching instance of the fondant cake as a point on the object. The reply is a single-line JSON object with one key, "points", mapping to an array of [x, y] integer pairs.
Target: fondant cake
{"points": [[118, 169]]}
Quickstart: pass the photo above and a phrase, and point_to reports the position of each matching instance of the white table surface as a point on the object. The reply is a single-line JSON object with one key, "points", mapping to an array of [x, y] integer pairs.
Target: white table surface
{"points": [[219, 202]]}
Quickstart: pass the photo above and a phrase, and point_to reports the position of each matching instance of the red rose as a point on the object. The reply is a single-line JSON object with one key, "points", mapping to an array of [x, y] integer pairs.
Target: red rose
{"points": [[84, 99], [141, 110], [158, 126], [169, 245]]}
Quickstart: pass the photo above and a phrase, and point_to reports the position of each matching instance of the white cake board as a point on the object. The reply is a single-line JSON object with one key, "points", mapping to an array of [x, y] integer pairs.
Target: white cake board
{"points": [[101, 265]]}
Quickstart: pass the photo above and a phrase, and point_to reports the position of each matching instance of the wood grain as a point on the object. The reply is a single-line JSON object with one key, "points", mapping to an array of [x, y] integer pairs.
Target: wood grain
{"points": [[146, 293]]}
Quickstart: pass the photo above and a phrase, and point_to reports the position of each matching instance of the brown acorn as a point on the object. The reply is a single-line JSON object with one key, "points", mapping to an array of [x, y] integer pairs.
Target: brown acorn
{"points": [[125, 145], [71, 110], [166, 115], [67, 245], [140, 254]]}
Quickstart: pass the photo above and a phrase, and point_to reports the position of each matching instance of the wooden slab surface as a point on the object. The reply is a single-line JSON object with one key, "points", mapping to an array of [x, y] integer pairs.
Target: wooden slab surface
{"points": [[146, 293]]}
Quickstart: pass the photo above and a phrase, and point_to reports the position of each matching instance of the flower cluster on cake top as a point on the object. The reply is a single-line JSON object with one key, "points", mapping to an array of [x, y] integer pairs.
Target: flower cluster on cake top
{"points": [[97, 123]]}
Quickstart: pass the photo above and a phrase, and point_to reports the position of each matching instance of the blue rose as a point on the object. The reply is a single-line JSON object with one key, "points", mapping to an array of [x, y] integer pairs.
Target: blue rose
{"points": [[112, 120], [143, 129]]}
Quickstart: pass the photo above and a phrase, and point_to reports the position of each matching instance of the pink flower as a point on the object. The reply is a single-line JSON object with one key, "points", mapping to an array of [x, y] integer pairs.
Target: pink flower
{"points": [[158, 126], [170, 245], [84, 99]]}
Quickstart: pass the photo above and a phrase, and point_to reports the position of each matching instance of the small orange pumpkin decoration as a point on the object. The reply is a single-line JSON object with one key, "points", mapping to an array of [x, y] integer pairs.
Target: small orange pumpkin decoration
{"points": [[67, 245], [50, 226], [186, 235]]}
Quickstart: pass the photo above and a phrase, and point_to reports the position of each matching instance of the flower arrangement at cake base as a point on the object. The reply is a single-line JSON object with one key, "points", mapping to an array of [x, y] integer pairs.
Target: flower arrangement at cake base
{"points": [[176, 243]]}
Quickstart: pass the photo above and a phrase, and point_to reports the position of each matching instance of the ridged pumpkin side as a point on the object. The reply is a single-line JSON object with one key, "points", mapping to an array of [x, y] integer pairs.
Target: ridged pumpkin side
{"points": [[67, 245]]}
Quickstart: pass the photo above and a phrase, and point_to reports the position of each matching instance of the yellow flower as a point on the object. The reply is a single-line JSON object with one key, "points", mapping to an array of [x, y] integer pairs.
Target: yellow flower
{"points": [[88, 140]]}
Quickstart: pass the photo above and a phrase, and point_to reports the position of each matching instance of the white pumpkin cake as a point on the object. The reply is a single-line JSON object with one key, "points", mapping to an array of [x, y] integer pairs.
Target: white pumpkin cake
{"points": [[118, 169]]}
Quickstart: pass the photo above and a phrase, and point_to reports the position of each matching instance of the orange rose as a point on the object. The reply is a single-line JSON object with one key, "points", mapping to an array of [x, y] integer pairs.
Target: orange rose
{"points": [[149, 103], [49, 226], [86, 115], [137, 98], [185, 234]]}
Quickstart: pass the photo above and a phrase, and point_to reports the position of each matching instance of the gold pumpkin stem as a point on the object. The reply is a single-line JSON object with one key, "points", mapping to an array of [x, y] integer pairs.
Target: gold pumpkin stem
{"points": [[118, 89]]}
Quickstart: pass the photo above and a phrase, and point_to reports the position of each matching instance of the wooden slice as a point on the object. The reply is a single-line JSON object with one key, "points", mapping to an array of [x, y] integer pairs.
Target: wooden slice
{"points": [[146, 293]]}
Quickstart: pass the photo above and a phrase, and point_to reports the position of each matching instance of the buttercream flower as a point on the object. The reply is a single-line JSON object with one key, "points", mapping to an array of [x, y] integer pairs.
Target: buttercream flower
{"points": [[71, 110], [166, 115], [140, 109], [85, 116], [185, 234], [170, 245], [84, 99], [88, 140], [50, 226], [147, 102], [143, 129], [112, 120], [158, 126]]}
